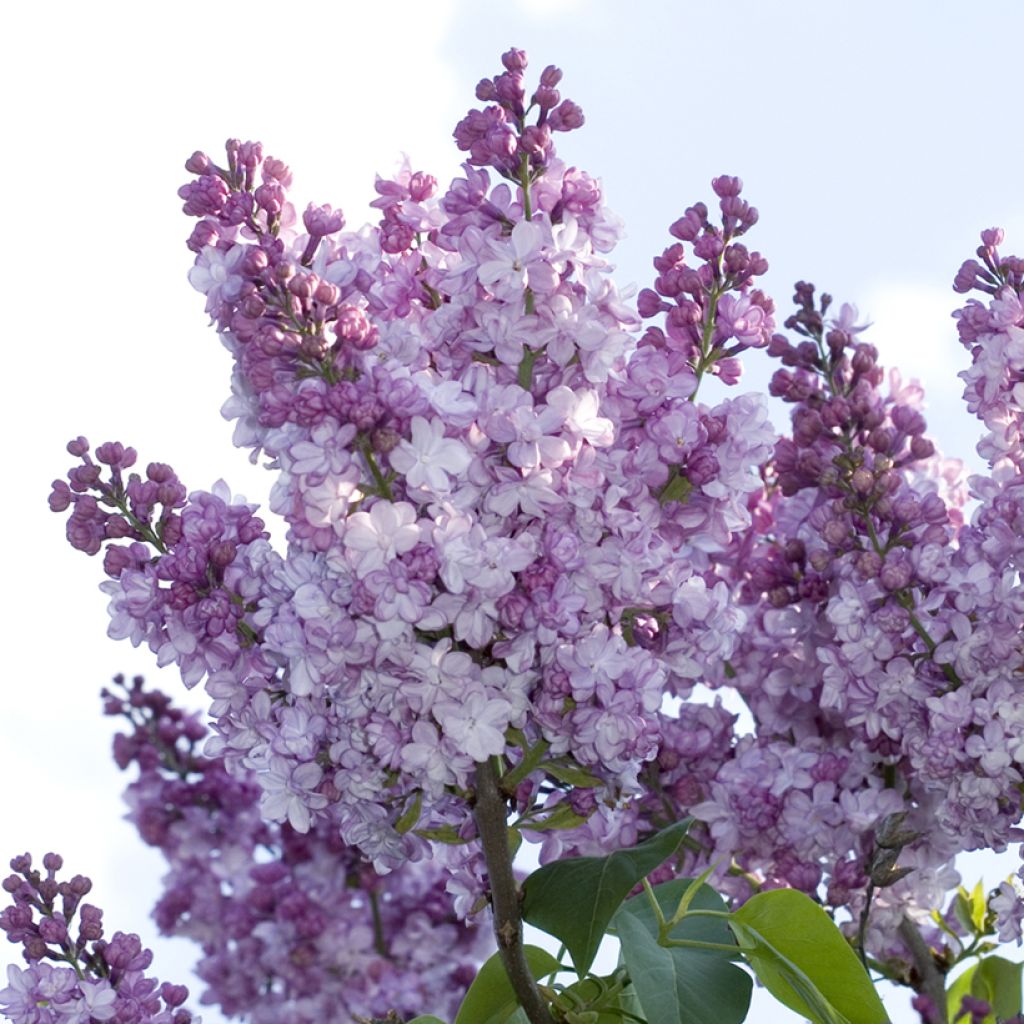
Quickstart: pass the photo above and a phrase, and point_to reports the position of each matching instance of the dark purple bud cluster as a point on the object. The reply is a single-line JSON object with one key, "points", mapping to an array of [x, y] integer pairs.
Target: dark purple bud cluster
{"points": [[104, 979], [404, 217], [500, 137], [111, 505], [713, 314], [285, 917]]}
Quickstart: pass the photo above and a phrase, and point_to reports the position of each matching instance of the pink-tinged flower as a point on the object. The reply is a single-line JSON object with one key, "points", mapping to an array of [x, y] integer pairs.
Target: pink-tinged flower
{"points": [[374, 538], [216, 275], [579, 410], [430, 458], [423, 758], [1008, 907], [289, 792], [476, 724], [98, 999], [517, 264]]}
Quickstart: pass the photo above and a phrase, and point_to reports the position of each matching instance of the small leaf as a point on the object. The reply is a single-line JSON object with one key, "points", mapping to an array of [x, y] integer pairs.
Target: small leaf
{"points": [[571, 774], [447, 834], [490, 999], [979, 909], [410, 815], [428, 1019], [563, 816], [790, 942], [679, 985], [589, 991], [574, 899], [998, 982], [515, 840], [962, 910], [957, 990]]}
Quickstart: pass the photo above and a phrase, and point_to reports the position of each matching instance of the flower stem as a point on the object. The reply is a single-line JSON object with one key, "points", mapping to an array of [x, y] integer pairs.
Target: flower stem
{"points": [[930, 981], [491, 815]]}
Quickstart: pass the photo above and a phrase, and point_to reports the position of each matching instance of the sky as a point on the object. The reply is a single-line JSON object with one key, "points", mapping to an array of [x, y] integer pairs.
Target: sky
{"points": [[877, 139]]}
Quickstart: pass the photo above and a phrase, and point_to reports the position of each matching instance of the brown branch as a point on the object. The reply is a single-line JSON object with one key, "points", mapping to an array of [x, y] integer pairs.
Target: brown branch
{"points": [[931, 982], [491, 814]]}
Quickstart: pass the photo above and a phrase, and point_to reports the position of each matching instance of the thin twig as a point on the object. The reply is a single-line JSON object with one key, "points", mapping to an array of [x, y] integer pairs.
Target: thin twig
{"points": [[491, 814]]}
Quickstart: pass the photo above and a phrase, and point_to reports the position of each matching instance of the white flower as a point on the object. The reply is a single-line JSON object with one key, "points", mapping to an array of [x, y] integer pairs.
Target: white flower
{"points": [[475, 724], [288, 792], [376, 537], [518, 263], [214, 274], [429, 459]]}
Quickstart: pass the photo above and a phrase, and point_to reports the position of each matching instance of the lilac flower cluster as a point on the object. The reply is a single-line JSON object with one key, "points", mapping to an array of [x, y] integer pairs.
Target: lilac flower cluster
{"points": [[882, 652], [294, 927], [515, 533], [499, 137], [90, 979], [502, 508]]}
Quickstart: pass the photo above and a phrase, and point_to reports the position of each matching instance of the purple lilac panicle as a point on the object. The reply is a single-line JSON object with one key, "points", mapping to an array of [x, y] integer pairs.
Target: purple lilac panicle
{"points": [[74, 975], [293, 926], [513, 529]]}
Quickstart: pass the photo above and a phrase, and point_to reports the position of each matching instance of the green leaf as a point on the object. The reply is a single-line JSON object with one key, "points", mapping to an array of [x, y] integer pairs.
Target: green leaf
{"points": [[997, 981], [490, 999], [979, 908], [803, 959], [960, 988], [678, 985], [447, 834], [590, 991], [411, 814], [574, 899], [563, 816], [571, 774], [428, 1019]]}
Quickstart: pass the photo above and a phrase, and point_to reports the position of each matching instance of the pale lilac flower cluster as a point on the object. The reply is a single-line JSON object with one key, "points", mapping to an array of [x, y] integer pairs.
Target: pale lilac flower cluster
{"points": [[513, 531], [294, 928], [74, 975], [502, 509], [882, 653]]}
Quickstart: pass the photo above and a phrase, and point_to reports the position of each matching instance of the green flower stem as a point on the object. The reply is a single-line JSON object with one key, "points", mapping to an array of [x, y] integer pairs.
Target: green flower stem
{"points": [[705, 361], [659, 915], [525, 376], [366, 449], [378, 927], [906, 602], [719, 947], [490, 812]]}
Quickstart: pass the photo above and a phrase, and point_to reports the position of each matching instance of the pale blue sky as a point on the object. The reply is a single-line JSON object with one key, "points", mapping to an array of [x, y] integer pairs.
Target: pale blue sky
{"points": [[876, 139]]}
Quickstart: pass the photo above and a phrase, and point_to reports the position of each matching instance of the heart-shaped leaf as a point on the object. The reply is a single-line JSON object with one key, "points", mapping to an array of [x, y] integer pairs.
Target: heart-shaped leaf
{"points": [[802, 958], [678, 985], [491, 999], [574, 899], [993, 979]]}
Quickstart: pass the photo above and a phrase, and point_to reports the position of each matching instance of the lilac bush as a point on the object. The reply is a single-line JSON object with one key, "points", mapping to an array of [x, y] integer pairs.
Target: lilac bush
{"points": [[528, 526]]}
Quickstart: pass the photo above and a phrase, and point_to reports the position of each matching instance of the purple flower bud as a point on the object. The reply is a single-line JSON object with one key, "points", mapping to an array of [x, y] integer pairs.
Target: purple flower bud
{"points": [[726, 186], [565, 117], [198, 163], [546, 98], [862, 481], [922, 448], [321, 221], [514, 60], [896, 571], [550, 76]]}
